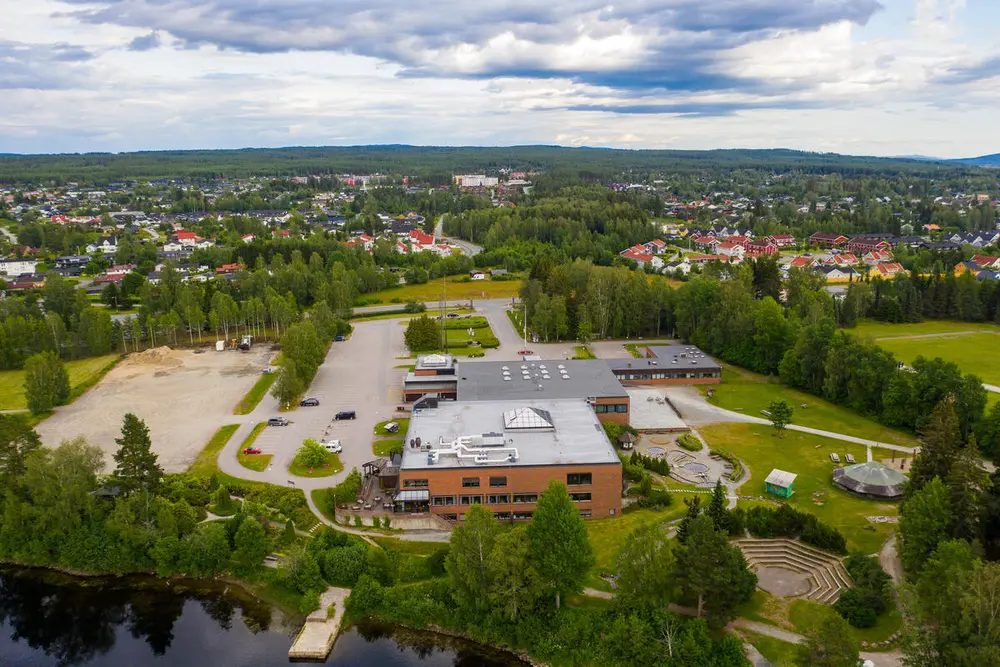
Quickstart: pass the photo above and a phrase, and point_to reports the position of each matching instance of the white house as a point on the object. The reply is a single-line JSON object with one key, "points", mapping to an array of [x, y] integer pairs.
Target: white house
{"points": [[106, 245], [17, 267]]}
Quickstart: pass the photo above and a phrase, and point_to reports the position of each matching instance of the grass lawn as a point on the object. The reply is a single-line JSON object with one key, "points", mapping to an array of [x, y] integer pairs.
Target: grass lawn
{"points": [[331, 467], [608, 535], [399, 314], [583, 352], [808, 456], [977, 353], [804, 614], [256, 394], [257, 462], [384, 447], [382, 433], [408, 547], [83, 374], [749, 393], [206, 463], [777, 652], [456, 291], [876, 329]]}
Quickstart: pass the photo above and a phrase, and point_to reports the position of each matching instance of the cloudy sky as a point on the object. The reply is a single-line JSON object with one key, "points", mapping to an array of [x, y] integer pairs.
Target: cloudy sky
{"points": [[878, 77]]}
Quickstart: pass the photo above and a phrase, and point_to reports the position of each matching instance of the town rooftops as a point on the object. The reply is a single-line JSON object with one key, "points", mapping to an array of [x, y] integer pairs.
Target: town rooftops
{"points": [[482, 435], [667, 356], [513, 380]]}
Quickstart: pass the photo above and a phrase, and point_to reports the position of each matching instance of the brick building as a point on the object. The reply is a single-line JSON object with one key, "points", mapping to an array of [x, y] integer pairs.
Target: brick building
{"points": [[502, 454]]}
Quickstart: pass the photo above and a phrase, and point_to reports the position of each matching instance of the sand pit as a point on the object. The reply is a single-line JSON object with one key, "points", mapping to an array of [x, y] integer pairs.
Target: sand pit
{"points": [[182, 395]]}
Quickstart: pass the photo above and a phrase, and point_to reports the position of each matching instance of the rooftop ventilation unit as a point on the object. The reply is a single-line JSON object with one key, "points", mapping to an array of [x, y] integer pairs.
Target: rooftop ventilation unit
{"points": [[482, 458], [565, 377], [504, 368], [432, 458], [561, 367], [541, 366], [546, 377], [506, 378]]}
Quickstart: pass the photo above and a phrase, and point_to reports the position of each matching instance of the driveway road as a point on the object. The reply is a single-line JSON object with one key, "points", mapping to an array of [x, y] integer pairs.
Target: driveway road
{"points": [[470, 249]]}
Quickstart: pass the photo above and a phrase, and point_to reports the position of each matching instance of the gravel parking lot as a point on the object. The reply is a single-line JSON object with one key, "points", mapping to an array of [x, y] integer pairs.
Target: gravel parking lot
{"points": [[183, 396]]}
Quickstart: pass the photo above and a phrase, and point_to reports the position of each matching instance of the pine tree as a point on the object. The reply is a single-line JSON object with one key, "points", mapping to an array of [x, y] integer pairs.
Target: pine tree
{"points": [[288, 535], [137, 468], [560, 548], [940, 442], [694, 508], [717, 507]]}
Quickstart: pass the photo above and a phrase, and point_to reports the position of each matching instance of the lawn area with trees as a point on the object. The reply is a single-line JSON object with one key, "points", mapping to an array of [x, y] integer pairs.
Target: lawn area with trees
{"points": [[868, 328], [749, 393], [808, 456], [83, 374], [456, 291], [312, 460]]}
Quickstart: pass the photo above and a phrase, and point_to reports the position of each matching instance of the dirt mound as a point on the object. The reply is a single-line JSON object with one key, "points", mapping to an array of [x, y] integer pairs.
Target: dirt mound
{"points": [[154, 356]]}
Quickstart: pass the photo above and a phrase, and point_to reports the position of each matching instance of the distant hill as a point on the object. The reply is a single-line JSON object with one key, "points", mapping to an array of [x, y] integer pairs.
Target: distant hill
{"points": [[981, 161]]}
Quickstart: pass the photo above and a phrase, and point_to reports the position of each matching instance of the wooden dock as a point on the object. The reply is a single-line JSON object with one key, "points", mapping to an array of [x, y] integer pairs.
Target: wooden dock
{"points": [[315, 639]]}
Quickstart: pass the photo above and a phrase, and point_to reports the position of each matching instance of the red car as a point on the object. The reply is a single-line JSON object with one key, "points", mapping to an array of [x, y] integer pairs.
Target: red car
{"points": [[252, 450]]}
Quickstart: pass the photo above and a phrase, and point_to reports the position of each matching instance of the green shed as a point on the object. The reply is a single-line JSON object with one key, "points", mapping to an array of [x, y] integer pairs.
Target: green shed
{"points": [[780, 483]]}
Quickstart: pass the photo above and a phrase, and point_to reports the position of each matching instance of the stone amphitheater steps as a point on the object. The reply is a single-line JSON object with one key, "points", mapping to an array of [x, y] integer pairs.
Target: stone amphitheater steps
{"points": [[826, 573]]}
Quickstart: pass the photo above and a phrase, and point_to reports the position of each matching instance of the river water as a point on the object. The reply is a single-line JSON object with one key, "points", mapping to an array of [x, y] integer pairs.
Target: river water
{"points": [[49, 620]]}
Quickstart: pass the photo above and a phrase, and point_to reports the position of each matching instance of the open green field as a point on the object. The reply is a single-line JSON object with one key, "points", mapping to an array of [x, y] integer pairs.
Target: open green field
{"points": [[977, 353], [808, 456], [749, 393], [777, 652], [256, 394], [83, 374], [385, 447], [380, 431], [455, 291], [206, 463], [876, 329]]}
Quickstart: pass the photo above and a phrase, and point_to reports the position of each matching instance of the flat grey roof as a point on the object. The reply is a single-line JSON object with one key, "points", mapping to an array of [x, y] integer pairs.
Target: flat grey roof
{"points": [[668, 357], [568, 378], [576, 437], [413, 378]]}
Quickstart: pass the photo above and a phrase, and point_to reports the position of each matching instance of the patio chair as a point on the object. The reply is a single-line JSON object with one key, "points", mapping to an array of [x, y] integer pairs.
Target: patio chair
{"points": [[835, 458], [849, 457]]}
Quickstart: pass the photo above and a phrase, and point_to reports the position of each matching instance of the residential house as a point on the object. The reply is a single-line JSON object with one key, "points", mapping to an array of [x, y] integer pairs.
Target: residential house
{"points": [[873, 257], [844, 259], [825, 240], [498, 272], [248, 238], [655, 247], [17, 267], [839, 274], [865, 245], [186, 238], [477, 275], [684, 267], [643, 258], [228, 268], [731, 249], [26, 282], [967, 267], [802, 262], [706, 243], [106, 245], [988, 275], [887, 270], [986, 261], [421, 237], [783, 240], [762, 246]]}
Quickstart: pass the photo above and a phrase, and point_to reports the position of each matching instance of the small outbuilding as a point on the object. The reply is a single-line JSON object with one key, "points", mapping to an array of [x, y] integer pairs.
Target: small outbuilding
{"points": [[626, 440], [780, 483], [871, 480]]}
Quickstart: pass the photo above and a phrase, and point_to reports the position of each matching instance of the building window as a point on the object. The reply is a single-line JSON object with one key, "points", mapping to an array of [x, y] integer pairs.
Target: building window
{"points": [[580, 497], [470, 482], [600, 409], [584, 514], [414, 483], [579, 479], [612, 511], [443, 501], [621, 407], [450, 517], [525, 498], [498, 481], [502, 516], [498, 499], [522, 516], [471, 500]]}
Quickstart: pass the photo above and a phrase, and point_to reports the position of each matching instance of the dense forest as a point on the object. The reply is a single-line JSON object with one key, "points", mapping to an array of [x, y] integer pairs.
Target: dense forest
{"points": [[436, 164]]}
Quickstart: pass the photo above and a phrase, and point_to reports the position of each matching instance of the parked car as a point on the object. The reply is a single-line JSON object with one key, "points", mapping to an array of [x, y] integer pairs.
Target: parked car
{"points": [[333, 446], [277, 421], [452, 314], [309, 402], [339, 339], [252, 450], [345, 414]]}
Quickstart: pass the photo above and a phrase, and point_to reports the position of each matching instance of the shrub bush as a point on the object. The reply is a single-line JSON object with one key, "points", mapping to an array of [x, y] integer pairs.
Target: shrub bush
{"points": [[854, 605], [689, 442], [650, 463], [785, 521], [657, 499], [861, 605]]}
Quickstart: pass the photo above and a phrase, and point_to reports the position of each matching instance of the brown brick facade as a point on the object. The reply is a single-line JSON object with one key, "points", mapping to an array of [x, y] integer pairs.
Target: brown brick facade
{"points": [[608, 409], [605, 488], [677, 380]]}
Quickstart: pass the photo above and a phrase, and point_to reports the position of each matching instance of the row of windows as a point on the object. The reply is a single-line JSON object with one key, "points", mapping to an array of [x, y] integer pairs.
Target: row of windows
{"points": [[501, 499], [660, 375], [517, 516], [473, 482], [414, 483], [617, 407], [579, 479]]}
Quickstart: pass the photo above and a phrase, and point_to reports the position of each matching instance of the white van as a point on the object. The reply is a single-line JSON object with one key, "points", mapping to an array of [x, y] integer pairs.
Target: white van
{"points": [[332, 446]]}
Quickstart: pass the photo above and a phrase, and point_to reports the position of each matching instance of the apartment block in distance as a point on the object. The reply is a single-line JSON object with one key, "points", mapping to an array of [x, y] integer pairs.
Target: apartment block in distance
{"points": [[503, 453]]}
